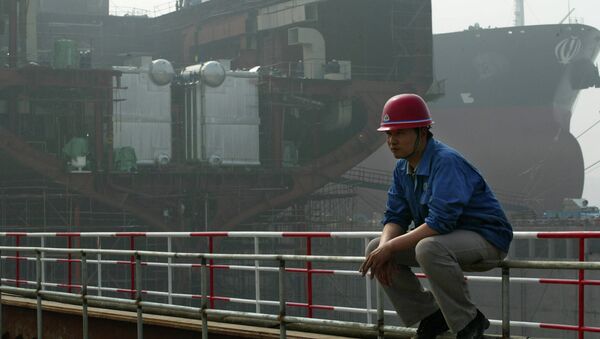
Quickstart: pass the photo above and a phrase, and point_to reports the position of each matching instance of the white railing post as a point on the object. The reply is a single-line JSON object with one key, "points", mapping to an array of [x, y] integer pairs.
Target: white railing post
{"points": [[505, 302], [84, 302], [38, 273], [43, 245], [170, 271], [138, 288], [99, 259], [380, 315], [368, 292], [204, 291], [282, 327], [257, 276]]}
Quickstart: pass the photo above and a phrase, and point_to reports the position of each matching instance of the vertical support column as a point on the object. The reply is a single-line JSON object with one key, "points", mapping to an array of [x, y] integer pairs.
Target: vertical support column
{"points": [[43, 245], [69, 266], [505, 302], [257, 276], [108, 122], [170, 271], [581, 301], [132, 266], [13, 16], [519, 13], [282, 327], [138, 296], [309, 286], [203, 153], [18, 261], [277, 135], [211, 273], [99, 259], [84, 303], [380, 315], [368, 291], [204, 306], [38, 288], [99, 131]]}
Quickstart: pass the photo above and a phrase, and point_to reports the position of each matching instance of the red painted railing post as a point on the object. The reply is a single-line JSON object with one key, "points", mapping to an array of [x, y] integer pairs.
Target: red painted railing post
{"points": [[132, 266], [69, 267], [309, 286], [581, 286], [212, 278]]}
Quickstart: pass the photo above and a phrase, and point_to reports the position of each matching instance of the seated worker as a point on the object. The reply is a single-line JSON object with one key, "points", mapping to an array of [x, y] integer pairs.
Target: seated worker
{"points": [[458, 222]]}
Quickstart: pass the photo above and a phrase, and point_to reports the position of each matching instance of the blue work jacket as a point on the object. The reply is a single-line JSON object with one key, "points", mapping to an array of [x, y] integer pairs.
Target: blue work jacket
{"points": [[446, 192]]}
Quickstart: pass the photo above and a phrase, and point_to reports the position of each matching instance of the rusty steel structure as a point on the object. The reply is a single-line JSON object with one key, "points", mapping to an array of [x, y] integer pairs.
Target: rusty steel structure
{"points": [[45, 107]]}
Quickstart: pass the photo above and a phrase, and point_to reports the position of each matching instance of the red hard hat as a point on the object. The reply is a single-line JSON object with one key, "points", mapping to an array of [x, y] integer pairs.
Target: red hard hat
{"points": [[404, 111]]}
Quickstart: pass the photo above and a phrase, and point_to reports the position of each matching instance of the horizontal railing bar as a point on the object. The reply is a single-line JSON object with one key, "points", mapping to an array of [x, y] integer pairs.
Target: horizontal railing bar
{"points": [[277, 257], [575, 265], [475, 278], [221, 298], [265, 257], [242, 234], [26, 292], [327, 322], [292, 304], [186, 265]]}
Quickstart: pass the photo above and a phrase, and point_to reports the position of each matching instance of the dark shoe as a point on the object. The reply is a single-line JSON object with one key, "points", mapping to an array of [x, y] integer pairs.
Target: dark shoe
{"points": [[475, 329], [432, 326]]}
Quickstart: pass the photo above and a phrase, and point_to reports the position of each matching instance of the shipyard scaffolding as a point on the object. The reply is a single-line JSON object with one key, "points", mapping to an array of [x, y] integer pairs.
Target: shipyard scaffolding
{"points": [[55, 145], [355, 201]]}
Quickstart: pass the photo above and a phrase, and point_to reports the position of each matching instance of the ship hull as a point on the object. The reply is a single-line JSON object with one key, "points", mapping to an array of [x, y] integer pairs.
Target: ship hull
{"points": [[506, 105], [508, 101]]}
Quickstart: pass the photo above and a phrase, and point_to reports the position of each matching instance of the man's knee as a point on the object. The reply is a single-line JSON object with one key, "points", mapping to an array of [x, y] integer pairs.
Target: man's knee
{"points": [[429, 250], [372, 246]]}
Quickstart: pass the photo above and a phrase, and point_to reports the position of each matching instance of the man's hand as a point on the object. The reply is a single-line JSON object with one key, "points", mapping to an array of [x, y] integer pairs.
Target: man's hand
{"points": [[380, 264], [386, 273]]}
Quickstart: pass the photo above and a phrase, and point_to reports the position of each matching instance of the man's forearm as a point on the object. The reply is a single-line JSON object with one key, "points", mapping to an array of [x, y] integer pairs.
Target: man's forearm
{"points": [[410, 240], [390, 231]]}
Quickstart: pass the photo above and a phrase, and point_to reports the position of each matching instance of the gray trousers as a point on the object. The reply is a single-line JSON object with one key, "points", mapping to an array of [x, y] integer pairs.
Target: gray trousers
{"points": [[442, 258]]}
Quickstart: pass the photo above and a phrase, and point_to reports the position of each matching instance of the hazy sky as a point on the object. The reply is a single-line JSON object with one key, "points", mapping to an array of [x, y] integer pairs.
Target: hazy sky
{"points": [[455, 15]]}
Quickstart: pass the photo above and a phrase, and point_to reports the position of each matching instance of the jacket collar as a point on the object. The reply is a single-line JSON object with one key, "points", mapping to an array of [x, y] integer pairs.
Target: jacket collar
{"points": [[425, 162]]}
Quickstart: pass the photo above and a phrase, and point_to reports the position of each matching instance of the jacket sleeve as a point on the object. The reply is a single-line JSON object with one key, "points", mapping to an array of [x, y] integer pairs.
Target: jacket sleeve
{"points": [[397, 209], [452, 185]]}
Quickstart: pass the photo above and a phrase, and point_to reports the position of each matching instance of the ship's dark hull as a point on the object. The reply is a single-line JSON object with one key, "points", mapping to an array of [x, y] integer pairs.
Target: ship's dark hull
{"points": [[506, 105]]}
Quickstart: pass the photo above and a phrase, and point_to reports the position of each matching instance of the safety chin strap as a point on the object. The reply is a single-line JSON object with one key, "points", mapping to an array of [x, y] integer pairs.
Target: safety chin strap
{"points": [[416, 146]]}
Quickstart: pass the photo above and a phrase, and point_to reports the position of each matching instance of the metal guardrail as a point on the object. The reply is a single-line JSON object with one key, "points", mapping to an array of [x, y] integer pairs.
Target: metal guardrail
{"points": [[81, 257], [84, 299]]}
